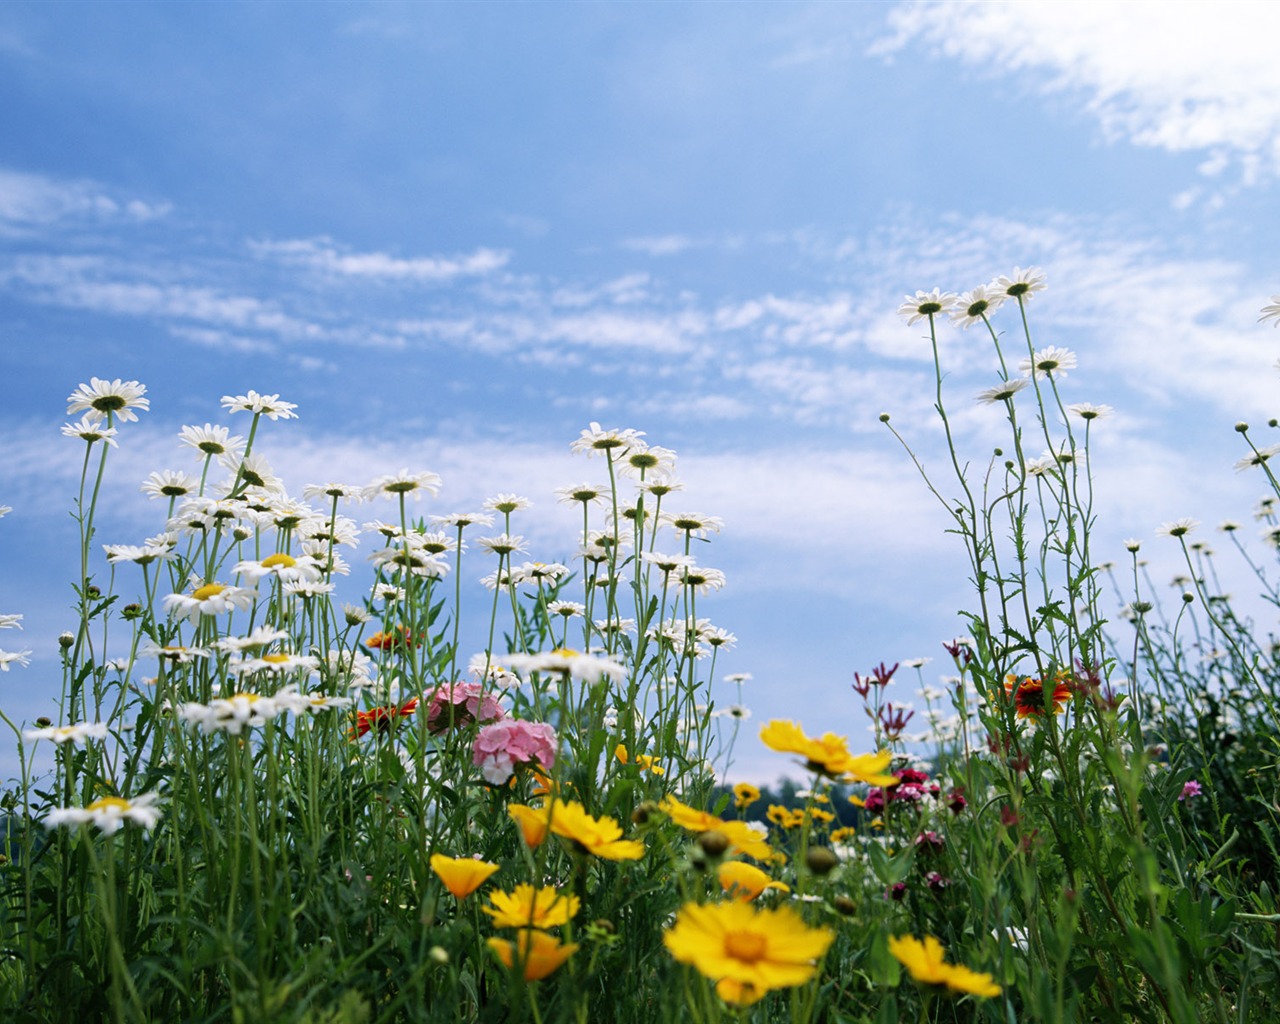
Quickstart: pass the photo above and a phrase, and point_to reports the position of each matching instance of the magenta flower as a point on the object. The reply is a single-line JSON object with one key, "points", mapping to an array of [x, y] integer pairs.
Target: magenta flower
{"points": [[504, 746], [470, 704], [1189, 789]]}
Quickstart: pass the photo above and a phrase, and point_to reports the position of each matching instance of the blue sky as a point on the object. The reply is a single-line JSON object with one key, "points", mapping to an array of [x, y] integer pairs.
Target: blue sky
{"points": [[454, 234]]}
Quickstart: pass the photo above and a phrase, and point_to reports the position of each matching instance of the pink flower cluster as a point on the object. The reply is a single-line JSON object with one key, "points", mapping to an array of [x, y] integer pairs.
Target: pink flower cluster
{"points": [[504, 746], [460, 704]]}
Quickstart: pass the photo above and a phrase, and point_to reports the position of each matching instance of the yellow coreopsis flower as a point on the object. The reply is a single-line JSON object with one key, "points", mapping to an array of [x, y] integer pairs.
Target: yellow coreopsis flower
{"points": [[601, 837], [742, 837], [925, 963], [538, 953], [461, 875], [829, 754], [528, 907], [746, 881], [744, 795], [533, 821], [756, 949]]}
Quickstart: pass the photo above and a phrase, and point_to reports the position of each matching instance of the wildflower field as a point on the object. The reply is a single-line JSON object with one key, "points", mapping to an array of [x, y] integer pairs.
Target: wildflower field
{"points": [[270, 804]]}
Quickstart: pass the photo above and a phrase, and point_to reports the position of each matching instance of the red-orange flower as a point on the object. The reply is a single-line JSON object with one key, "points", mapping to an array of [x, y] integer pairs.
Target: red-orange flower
{"points": [[382, 719], [396, 639], [1030, 698]]}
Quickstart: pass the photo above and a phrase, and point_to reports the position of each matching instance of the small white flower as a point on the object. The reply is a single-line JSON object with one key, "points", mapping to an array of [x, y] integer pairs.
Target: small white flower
{"points": [[1088, 412], [208, 599], [116, 398], [1257, 458], [212, 441], [280, 566], [926, 305], [8, 658], [461, 520], [169, 484], [109, 813], [596, 441], [972, 307], [396, 484], [1001, 392], [1271, 312], [588, 494], [61, 734], [10, 621], [692, 523], [349, 494], [269, 406], [92, 428], [1051, 361], [1020, 282], [503, 544], [1177, 528], [506, 503], [738, 677]]}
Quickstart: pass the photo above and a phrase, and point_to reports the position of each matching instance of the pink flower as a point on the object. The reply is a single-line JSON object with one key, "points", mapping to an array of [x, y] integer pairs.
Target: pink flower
{"points": [[1189, 789], [504, 746], [470, 704]]}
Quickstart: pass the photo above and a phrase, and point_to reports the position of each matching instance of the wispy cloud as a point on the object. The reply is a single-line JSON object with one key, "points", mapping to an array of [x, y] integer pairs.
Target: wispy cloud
{"points": [[660, 245], [29, 202], [325, 256], [1180, 77]]}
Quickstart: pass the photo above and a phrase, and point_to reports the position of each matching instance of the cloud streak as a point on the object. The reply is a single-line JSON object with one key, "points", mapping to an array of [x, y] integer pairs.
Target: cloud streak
{"points": [[1178, 77]]}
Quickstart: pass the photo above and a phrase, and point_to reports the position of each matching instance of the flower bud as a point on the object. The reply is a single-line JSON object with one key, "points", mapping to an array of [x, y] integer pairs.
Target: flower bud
{"points": [[714, 844], [65, 640], [821, 860], [845, 906]]}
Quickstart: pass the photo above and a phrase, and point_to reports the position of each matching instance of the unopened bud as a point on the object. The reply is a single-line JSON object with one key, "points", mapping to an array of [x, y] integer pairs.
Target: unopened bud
{"points": [[821, 860], [65, 640], [845, 906], [714, 844], [643, 812]]}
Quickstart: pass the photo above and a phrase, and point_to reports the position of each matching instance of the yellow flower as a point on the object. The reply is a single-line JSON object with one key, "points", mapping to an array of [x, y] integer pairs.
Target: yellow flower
{"points": [[461, 875], [818, 814], [533, 822], [828, 755], [645, 762], [599, 836], [843, 835], [742, 837], [924, 962], [538, 953], [734, 942], [738, 993], [744, 795], [745, 881], [528, 907]]}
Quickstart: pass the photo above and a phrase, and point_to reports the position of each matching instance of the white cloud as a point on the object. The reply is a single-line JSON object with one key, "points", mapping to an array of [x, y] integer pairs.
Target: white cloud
{"points": [[660, 245], [32, 201], [1176, 76], [325, 256], [102, 286]]}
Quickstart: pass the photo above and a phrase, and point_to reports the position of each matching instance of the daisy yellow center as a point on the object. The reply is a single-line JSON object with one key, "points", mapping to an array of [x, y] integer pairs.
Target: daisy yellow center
{"points": [[109, 403], [108, 802], [208, 590], [276, 659], [747, 947], [281, 559]]}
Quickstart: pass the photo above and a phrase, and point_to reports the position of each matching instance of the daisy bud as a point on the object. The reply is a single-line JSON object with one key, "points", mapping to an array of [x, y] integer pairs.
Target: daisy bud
{"points": [[65, 640], [714, 844], [643, 812], [884, 417], [1273, 423], [1242, 427], [845, 905], [820, 860], [131, 612], [1188, 598], [44, 722]]}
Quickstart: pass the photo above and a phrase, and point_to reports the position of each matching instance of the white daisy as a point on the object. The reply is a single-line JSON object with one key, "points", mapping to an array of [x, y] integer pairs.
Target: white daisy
{"points": [[648, 460], [597, 441], [61, 734], [258, 638], [1020, 282], [461, 520], [1001, 392], [232, 713], [1087, 411], [8, 658], [503, 544], [926, 305], [208, 599], [1177, 528], [109, 813], [10, 621], [971, 307], [281, 566], [116, 398], [210, 440], [506, 503], [1053, 361], [169, 484], [396, 484], [588, 494], [92, 428], [269, 406], [693, 523], [1271, 312]]}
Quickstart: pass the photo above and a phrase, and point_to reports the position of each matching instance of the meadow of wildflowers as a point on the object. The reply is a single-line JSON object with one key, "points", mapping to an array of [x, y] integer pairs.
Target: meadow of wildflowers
{"points": [[270, 804]]}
